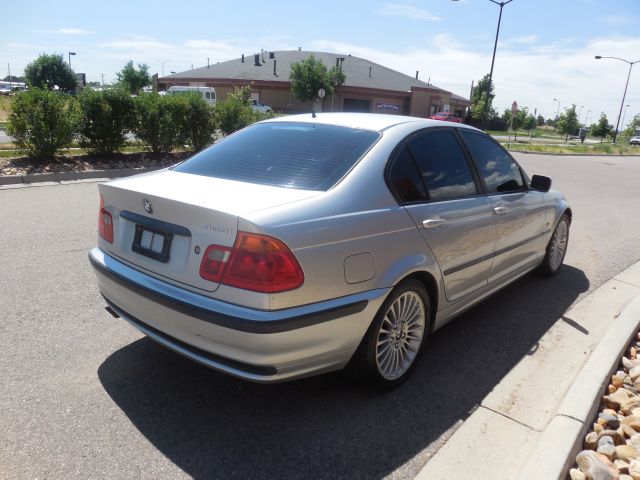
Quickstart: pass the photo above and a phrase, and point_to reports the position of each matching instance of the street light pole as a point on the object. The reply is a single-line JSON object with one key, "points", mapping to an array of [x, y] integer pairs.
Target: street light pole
{"points": [[580, 113], [71, 53], [557, 114], [586, 120], [493, 59], [598, 57]]}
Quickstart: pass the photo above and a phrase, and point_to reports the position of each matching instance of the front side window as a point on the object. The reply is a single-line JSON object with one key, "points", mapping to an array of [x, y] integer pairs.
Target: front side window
{"points": [[284, 154], [443, 165], [501, 174]]}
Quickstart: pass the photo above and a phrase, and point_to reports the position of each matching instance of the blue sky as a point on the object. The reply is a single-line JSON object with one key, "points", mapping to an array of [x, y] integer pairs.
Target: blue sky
{"points": [[545, 51]]}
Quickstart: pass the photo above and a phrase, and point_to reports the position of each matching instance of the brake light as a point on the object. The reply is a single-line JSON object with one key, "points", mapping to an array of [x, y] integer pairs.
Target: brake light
{"points": [[256, 262], [105, 222]]}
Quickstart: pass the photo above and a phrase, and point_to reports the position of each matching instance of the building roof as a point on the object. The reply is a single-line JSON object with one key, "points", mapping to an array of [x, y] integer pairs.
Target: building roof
{"points": [[356, 71]]}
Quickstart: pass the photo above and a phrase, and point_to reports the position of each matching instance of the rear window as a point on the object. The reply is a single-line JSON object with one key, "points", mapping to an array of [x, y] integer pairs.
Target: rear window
{"points": [[296, 155]]}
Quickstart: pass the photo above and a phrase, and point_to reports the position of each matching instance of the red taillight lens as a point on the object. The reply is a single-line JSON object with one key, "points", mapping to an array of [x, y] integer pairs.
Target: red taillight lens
{"points": [[257, 262], [105, 223]]}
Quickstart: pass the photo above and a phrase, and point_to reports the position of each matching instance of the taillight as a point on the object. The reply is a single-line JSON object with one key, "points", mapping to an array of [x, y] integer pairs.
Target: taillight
{"points": [[105, 223], [256, 262]]}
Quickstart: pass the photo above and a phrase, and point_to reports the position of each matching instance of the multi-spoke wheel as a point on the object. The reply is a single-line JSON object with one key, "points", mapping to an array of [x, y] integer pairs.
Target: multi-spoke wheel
{"points": [[557, 247], [392, 343]]}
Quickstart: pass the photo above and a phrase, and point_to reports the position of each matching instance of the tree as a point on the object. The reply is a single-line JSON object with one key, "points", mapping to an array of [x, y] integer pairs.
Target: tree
{"points": [[540, 121], [479, 99], [310, 75], [42, 122], [517, 121], [632, 127], [13, 78], [106, 117], [602, 128], [568, 122], [235, 112], [50, 71], [134, 80]]}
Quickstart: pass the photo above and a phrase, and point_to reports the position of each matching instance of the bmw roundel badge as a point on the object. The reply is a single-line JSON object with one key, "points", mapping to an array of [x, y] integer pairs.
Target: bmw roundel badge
{"points": [[147, 206]]}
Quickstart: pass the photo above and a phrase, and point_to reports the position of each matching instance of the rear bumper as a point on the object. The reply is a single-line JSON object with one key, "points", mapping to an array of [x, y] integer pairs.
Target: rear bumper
{"points": [[263, 346]]}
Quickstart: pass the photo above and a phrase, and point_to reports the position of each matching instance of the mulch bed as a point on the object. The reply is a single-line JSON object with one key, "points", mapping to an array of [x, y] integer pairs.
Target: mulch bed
{"points": [[25, 165]]}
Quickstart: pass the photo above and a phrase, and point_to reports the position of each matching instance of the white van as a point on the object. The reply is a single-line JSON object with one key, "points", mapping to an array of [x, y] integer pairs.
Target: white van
{"points": [[208, 93]]}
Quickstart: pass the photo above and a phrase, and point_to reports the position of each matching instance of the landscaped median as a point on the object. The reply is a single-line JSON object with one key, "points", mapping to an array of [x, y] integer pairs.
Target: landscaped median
{"points": [[573, 149], [25, 170]]}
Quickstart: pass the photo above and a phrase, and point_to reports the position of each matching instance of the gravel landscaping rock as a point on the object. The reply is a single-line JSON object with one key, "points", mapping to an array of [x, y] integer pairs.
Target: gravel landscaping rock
{"points": [[612, 446]]}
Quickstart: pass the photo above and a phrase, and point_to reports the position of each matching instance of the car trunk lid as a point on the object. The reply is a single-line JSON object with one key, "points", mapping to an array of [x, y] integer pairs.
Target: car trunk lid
{"points": [[164, 221]]}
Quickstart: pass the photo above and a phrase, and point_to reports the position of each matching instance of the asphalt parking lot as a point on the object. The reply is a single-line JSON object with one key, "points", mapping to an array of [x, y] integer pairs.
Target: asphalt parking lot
{"points": [[84, 395]]}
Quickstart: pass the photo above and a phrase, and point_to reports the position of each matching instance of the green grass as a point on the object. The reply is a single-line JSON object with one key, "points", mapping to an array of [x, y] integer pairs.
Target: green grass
{"points": [[597, 149]]}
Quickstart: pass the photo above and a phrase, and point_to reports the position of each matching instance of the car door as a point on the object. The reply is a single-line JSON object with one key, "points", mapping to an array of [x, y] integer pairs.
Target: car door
{"points": [[433, 179], [520, 213]]}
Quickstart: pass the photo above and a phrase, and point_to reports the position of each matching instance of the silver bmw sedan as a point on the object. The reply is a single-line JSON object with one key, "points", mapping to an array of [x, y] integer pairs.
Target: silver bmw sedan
{"points": [[302, 245]]}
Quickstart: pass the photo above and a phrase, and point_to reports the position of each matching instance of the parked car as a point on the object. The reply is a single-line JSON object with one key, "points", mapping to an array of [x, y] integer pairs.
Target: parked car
{"points": [[260, 107], [447, 117], [302, 245], [634, 140]]}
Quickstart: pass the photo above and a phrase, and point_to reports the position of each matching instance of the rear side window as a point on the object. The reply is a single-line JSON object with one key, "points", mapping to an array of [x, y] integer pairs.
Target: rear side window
{"points": [[405, 179], [296, 155], [443, 165], [501, 174]]}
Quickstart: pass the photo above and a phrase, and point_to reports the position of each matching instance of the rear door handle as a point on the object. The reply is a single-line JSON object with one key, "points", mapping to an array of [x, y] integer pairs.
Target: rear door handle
{"points": [[433, 222], [500, 210]]}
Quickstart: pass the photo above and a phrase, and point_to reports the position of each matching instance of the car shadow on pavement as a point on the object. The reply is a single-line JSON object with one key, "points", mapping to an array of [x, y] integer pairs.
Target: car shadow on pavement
{"points": [[215, 426]]}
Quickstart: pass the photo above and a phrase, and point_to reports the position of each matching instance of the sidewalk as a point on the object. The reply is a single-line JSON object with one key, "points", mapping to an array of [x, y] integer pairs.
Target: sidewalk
{"points": [[531, 425]]}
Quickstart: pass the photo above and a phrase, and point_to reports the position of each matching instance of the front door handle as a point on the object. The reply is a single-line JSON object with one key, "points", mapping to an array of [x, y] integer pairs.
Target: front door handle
{"points": [[433, 222], [500, 210]]}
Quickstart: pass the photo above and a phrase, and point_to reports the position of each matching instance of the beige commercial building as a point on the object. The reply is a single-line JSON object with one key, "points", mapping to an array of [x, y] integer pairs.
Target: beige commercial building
{"points": [[368, 86]]}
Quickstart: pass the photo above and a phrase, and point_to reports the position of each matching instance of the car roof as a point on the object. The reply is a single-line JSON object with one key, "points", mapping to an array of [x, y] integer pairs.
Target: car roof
{"points": [[368, 121]]}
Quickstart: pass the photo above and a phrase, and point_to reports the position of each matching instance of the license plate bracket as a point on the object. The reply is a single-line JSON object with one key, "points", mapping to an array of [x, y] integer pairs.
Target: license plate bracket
{"points": [[152, 243]]}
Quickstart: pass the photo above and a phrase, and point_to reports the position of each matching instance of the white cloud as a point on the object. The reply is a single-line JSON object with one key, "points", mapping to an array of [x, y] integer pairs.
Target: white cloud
{"points": [[406, 10], [68, 31], [527, 39], [533, 78]]}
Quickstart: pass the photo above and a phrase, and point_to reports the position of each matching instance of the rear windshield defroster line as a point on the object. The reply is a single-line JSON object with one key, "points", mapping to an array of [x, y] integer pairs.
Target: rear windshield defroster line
{"points": [[288, 154]]}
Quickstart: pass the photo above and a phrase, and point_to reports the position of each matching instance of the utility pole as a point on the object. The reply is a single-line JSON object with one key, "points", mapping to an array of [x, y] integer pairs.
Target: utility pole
{"points": [[102, 75], [9, 68]]}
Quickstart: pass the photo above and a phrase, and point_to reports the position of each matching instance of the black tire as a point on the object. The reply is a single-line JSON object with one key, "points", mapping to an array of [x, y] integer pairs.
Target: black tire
{"points": [[551, 263], [364, 366]]}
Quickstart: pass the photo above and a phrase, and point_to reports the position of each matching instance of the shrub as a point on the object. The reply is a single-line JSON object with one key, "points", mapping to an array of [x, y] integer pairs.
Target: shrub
{"points": [[235, 112], [106, 117], [199, 124], [42, 122], [159, 121]]}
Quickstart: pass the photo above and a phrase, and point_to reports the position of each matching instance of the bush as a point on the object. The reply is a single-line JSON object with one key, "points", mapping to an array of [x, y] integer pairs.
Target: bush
{"points": [[235, 112], [159, 121], [106, 118], [199, 124], [42, 122]]}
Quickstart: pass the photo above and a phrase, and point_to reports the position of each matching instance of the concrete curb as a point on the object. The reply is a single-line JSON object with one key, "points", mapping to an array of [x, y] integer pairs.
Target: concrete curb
{"points": [[562, 439], [72, 176], [531, 425]]}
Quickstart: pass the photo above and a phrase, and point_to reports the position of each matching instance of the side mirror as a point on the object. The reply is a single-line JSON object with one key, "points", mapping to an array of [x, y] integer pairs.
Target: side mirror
{"points": [[540, 183]]}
